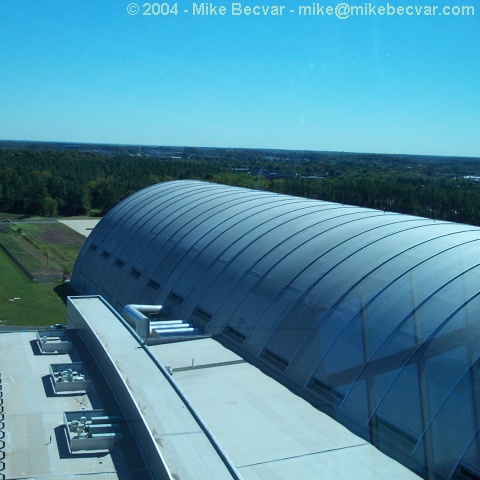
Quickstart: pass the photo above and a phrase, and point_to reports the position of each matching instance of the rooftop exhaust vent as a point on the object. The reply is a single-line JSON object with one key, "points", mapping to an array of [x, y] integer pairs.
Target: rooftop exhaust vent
{"points": [[138, 316]]}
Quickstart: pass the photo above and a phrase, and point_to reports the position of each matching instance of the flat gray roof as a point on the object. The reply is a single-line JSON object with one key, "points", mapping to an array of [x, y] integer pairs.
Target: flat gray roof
{"points": [[35, 443], [266, 430]]}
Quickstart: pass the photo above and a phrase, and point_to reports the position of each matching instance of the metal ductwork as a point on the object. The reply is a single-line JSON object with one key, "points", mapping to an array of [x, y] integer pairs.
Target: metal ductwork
{"points": [[138, 316], [143, 318]]}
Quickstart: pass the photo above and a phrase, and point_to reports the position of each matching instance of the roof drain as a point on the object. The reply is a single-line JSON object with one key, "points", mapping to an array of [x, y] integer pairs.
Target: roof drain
{"points": [[137, 316]]}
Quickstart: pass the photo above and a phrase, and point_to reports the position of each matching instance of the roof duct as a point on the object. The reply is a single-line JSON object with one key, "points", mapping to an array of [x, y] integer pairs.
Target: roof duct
{"points": [[138, 317]]}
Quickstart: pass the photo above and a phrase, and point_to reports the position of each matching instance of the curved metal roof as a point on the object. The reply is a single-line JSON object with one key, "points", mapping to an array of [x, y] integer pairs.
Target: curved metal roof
{"points": [[372, 315]]}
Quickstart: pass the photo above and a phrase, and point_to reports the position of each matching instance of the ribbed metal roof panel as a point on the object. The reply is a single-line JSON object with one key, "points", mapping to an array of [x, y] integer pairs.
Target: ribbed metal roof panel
{"points": [[371, 315]]}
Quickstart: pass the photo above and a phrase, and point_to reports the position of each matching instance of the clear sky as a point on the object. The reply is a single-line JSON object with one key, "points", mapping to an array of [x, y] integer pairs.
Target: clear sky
{"points": [[88, 71]]}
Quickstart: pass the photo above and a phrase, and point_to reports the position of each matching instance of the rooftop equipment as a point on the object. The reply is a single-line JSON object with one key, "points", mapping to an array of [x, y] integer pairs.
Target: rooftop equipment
{"points": [[144, 318], [69, 377], [91, 430], [51, 341]]}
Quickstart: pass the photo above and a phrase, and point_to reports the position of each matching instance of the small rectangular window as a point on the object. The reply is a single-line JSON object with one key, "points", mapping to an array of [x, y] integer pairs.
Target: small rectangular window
{"points": [[105, 254], [154, 284], [202, 313], [93, 247], [134, 272], [275, 359], [202, 316], [326, 389], [176, 297], [237, 334], [119, 263], [395, 434]]}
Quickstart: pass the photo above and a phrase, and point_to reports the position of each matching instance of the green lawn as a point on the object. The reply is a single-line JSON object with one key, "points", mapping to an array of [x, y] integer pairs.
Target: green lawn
{"points": [[42, 247], [27, 303]]}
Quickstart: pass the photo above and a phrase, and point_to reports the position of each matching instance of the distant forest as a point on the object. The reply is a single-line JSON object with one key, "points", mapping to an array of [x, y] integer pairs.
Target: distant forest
{"points": [[78, 181]]}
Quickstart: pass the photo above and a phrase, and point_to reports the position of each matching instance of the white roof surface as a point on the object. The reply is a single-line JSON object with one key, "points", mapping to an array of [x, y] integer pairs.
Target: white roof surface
{"points": [[266, 430], [35, 443]]}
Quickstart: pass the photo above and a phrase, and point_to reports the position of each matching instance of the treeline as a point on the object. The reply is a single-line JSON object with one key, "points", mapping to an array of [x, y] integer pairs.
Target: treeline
{"points": [[444, 198], [50, 183], [399, 189], [68, 182]]}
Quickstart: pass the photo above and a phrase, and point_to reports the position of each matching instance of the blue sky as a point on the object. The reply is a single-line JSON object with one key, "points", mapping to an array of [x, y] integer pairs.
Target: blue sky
{"points": [[87, 71]]}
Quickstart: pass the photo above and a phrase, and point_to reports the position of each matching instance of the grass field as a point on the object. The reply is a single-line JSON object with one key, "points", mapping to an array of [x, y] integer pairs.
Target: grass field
{"points": [[27, 303], [42, 247], [23, 302]]}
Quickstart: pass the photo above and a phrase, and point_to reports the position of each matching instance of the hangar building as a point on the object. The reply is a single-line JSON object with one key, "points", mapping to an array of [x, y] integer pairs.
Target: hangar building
{"points": [[371, 316]]}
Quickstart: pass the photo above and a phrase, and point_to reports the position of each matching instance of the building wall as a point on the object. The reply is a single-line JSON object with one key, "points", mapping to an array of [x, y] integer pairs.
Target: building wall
{"points": [[128, 404], [372, 314]]}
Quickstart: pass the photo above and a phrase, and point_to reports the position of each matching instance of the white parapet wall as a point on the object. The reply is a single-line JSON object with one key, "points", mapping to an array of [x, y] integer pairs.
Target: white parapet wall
{"points": [[173, 438]]}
